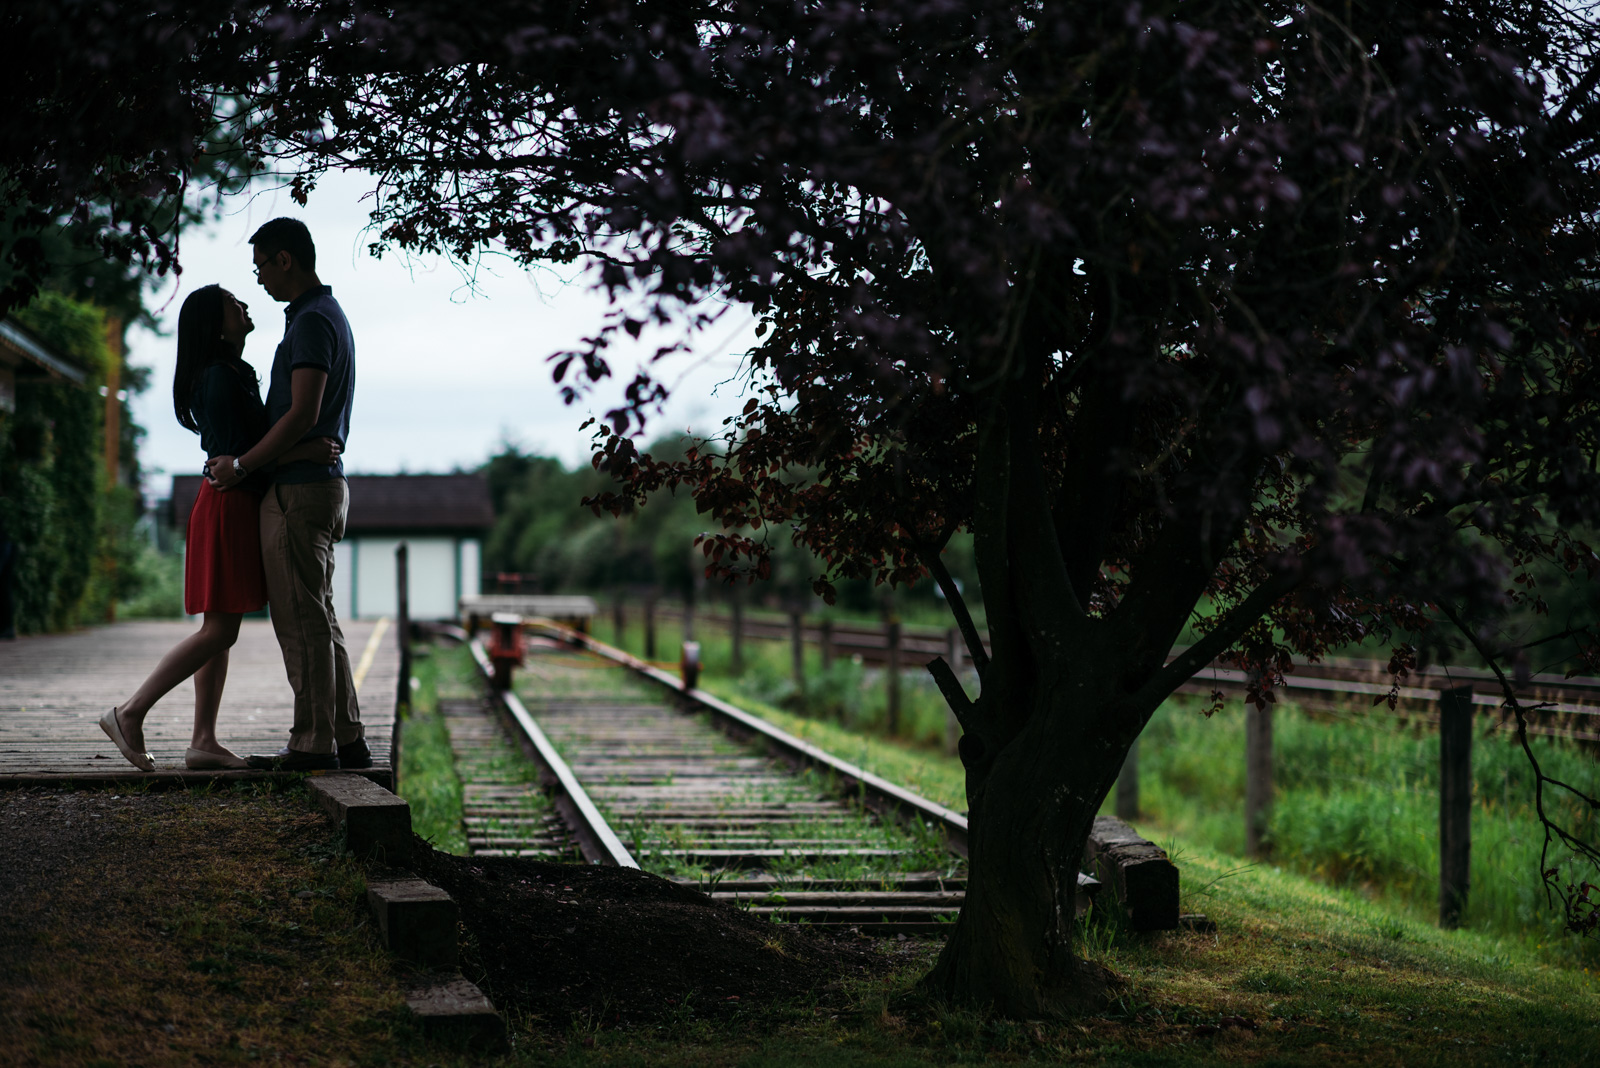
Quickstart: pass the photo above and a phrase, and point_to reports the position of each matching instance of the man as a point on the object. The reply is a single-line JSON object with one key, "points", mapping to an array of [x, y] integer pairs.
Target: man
{"points": [[303, 513]]}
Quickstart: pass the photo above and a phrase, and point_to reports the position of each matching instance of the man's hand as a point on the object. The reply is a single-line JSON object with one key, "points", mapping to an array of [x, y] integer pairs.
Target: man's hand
{"points": [[324, 450], [221, 473]]}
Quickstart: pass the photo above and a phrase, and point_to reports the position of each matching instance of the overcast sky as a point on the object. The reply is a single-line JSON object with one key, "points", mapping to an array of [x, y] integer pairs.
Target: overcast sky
{"points": [[443, 373]]}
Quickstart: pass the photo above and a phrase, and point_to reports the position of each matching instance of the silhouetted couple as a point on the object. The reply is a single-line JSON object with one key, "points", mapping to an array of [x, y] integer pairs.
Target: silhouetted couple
{"points": [[270, 509]]}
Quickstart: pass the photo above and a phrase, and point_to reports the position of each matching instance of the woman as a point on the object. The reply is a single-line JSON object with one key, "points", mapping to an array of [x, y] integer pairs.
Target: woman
{"points": [[217, 395]]}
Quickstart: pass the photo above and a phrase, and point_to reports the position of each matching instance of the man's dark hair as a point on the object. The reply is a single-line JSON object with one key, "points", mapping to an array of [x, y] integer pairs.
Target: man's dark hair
{"points": [[287, 235]]}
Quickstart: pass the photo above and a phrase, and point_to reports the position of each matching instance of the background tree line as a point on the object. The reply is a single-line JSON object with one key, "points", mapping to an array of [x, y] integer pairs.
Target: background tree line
{"points": [[544, 533]]}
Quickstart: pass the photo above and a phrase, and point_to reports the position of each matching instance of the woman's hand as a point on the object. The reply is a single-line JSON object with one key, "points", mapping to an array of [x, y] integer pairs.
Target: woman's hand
{"points": [[220, 471]]}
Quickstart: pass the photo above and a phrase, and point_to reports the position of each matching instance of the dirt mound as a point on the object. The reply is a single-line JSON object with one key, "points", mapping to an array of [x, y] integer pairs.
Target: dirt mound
{"points": [[558, 940]]}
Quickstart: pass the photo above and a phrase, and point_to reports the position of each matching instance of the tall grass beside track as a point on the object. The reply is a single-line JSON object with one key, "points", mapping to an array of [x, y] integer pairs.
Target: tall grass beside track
{"points": [[428, 779], [847, 693], [1358, 806]]}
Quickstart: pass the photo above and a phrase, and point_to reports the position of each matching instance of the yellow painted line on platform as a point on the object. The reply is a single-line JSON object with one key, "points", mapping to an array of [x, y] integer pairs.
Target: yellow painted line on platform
{"points": [[370, 653]]}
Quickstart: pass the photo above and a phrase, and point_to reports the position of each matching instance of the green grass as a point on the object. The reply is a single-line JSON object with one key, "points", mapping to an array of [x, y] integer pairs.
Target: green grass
{"points": [[1297, 973], [218, 925], [221, 926], [428, 779]]}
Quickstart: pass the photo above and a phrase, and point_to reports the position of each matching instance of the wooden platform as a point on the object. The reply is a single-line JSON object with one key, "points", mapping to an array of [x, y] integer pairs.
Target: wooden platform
{"points": [[54, 688]]}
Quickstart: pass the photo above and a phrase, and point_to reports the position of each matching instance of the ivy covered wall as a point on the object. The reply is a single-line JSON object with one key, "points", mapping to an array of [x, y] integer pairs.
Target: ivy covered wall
{"points": [[68, 530]]}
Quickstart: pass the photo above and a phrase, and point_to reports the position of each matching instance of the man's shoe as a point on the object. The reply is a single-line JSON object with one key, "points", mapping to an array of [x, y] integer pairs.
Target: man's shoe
{"points": [[355, 755], [287, 759]]}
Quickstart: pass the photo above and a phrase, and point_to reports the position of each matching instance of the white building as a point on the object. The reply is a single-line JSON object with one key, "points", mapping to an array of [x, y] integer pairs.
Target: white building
{"points": [[443, 520]]}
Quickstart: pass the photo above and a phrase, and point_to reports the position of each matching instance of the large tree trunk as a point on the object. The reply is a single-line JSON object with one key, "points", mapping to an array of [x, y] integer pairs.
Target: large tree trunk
{"points": [[1045, 738], [1013, 946]]}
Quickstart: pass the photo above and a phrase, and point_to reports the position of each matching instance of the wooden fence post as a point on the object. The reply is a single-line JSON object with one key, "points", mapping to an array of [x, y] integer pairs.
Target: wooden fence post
{"points": [[1127, 805], [402, 584], [617, 621], [650, 624], [797, 649], [891, 634], [736, 635], [826, 637], [402, 701], [1257, 778], [1455, 803]]}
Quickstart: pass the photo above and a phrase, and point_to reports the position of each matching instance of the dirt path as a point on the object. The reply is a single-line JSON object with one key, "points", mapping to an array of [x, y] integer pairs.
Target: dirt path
{"points": [[180, 927]]}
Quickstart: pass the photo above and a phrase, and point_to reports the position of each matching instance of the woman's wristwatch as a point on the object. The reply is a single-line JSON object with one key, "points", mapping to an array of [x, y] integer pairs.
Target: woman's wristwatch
{"points": [[238, 468]]}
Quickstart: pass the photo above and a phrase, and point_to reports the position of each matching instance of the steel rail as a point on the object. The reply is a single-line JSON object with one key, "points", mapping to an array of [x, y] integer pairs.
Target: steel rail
{"points": [[597, 841]]}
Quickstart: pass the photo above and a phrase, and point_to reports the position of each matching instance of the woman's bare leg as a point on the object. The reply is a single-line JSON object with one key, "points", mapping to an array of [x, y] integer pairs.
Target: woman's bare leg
{"points": [[208, 684], [217, 633]]}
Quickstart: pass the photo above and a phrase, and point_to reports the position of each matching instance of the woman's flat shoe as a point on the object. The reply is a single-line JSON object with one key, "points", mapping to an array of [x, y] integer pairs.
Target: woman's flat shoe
{"points": [[142, 761], [200, 760]]}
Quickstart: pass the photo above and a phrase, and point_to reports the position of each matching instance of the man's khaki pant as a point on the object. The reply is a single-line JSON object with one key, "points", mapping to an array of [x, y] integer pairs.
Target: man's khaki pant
{"points": [[300, 522]]}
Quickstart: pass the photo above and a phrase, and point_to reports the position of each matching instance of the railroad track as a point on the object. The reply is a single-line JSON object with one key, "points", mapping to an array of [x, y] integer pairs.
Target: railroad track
{"points": [[633, 771], [506, 812]]}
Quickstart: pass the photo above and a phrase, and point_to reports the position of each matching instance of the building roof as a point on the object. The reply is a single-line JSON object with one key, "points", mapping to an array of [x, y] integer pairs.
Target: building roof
{"points": [[391, 504], [21, 350]]}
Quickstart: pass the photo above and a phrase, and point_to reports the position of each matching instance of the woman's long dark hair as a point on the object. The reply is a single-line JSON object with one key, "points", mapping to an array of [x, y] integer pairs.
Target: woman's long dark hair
{"points": [[199, 345]]}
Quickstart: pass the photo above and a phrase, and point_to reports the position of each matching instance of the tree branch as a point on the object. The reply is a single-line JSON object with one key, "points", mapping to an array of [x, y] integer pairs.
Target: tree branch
{"points": [[1580, 93], [958, 608], [1572, 900], [955, 694], [1219, 638], [929, 555]]}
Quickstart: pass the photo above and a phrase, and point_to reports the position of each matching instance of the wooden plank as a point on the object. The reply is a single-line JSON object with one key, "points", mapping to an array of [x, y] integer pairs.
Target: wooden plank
{"points": [[54, 688]]}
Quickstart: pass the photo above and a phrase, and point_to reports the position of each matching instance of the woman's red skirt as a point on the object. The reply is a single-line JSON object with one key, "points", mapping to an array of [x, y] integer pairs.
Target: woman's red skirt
{"points": [[222, 557]]}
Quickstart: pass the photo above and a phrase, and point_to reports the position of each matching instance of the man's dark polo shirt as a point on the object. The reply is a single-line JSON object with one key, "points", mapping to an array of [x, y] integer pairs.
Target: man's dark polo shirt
{"points": [[316, 334]]}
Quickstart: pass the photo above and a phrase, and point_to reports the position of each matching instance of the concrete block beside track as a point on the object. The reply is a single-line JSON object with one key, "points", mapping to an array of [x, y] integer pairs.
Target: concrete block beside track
{"points": [[456, 1011], [376, 823], [416, 920], [1139, 873]]}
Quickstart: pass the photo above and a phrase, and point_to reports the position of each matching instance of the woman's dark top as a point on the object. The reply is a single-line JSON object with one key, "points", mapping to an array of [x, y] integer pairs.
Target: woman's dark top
{"points": [[229, 412]]}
